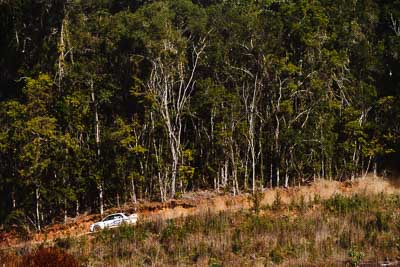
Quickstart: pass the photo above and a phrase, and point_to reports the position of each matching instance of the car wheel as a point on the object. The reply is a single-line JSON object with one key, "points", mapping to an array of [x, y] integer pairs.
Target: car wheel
{"points": [[96, 228]]}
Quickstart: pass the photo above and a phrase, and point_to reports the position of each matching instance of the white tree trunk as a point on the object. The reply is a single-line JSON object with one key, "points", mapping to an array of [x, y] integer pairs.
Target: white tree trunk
{"points": [[133, 195], [77, 208], [97, 136], [286, 179], [65, 211], [14, 205], [277, 176], [37, 194], [171, 85]]}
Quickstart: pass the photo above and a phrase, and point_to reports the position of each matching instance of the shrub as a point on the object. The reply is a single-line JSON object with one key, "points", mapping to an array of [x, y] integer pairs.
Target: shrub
{"points": [[301, 205], [64, 243], [215, 223], [49, 257], [345, 240], [342, 204], [192, 224], [277, 255], [173, 233], [126, 232], [382, 221], [277, 204], [355, 256], [257, 224], [16, 221], [236, 241], [255, 199]]}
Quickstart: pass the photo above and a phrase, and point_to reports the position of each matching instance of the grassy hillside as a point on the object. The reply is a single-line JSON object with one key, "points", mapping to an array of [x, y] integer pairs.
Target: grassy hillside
{"points": [[337, 231]]}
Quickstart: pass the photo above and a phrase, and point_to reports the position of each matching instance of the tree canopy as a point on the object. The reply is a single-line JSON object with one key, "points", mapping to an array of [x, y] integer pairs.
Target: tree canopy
{"points": [[108, 101]]}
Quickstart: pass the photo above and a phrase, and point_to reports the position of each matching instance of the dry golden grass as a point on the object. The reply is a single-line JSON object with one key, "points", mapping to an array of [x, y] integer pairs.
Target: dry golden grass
{"points": [[326, 222]]}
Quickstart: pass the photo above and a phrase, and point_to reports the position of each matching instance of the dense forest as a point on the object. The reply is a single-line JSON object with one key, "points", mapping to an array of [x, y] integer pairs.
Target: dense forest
{"points": [[108, 101]]}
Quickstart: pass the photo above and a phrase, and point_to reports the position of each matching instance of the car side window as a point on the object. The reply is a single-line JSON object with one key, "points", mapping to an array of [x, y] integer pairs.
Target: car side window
{"points": [[118, 217], [109, 218]]}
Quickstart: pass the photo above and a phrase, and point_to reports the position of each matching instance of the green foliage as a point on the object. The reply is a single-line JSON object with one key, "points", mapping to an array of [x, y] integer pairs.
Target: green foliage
{"points": [[172, 233], [64, 243], [343, 204], [355, 256], [277, 255], [256, 198], [236, 241], [17, 221], [381, 223], [323, 76], [275, 237], [277, 204], [258, 224]]}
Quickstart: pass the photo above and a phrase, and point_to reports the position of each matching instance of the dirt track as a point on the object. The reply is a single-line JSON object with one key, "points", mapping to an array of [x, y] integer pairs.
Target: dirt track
{"points": [[201, 202]]}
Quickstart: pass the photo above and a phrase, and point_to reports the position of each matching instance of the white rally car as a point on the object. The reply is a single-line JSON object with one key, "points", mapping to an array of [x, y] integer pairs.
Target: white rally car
{"points": [[114, 220]]}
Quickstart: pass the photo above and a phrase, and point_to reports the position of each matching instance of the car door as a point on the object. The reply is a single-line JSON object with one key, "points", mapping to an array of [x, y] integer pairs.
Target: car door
{"points": [[117, 220], [108, 221]]}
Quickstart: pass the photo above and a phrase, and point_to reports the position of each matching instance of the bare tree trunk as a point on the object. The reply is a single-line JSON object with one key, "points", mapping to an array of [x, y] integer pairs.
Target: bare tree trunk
{"points": [[246, 170], [97, 134], [368, 166], [253, 165], [61, 49], [37, 194], [353, 175], [261, 157], [161, 181], [175, 160], [271, 174], [286, 179], [172, 86], [14, 205], [65, 210], [224, 173], [286, 174], [277, 132], [77, 208], [162, 192], [235, 183], [101, 198], [252, 132], [277, 176], [133, 195]]}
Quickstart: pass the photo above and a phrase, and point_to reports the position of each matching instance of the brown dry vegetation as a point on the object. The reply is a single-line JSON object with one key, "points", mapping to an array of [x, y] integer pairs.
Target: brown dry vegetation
{"points": [[201, 202], [326, 222]]}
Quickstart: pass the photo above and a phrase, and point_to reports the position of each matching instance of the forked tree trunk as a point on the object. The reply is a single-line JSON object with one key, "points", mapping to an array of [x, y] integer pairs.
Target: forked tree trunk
{"points": [[172, 85]]}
